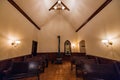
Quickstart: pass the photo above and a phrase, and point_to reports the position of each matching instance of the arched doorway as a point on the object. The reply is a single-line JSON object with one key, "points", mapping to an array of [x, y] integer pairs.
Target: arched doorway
{"points": [[82, 46]]}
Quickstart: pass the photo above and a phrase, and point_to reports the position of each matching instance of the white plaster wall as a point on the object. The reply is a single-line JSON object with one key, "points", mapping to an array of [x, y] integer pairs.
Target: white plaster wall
{"points": [[106, 25], [58, 25], [13, 25]]}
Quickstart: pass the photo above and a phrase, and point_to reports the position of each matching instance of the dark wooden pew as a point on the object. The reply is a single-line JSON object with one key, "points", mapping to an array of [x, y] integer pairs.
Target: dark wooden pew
{"points": [[45, 58], [40, 60], [76, 60], [80, 64], [22, 69], [100, 71]]}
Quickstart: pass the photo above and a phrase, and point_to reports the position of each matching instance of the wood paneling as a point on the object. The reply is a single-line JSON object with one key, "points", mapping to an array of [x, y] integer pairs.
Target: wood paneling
{"points": [[52, 55], [101, 60], [4, 64]]}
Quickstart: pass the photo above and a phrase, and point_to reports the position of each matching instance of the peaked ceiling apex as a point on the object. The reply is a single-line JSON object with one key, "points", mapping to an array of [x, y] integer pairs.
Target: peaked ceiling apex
{"points": [[59, 5]]}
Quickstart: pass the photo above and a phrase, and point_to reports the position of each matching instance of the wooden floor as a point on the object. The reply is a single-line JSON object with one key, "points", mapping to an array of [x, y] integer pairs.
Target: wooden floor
{"points": [[57, 72]]}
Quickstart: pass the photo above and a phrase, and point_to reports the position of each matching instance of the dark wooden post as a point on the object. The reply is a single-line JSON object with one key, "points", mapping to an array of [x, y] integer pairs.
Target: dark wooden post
{"points": [[59, 56]]}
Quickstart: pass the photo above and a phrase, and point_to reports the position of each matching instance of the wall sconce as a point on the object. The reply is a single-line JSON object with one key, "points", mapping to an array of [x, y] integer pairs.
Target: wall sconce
{"points": [[73, 45], [107, 42], [15, 42]]}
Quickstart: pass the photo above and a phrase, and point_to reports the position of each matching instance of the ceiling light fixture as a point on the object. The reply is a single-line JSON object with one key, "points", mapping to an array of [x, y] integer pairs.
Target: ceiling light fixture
{"points": [[59, 5]]}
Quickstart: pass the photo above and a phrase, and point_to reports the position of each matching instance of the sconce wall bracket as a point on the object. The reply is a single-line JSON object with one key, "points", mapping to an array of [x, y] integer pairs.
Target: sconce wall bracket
{"points": [[107, 42], [15, 42]]}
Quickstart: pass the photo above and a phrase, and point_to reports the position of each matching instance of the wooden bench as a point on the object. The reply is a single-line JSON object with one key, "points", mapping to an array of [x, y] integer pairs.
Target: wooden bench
{"points": [[100, 71], [80, 65], [39, 60], [22, 69], [76, 60]]}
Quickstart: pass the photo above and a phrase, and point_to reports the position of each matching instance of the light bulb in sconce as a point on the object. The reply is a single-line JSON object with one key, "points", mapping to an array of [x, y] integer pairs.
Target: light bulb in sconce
{"points": [[73, 45], [107, 42], [15, 42]]}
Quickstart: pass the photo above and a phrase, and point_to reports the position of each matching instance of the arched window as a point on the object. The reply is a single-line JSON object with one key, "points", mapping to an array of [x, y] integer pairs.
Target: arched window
{"points": [[67, 47]]}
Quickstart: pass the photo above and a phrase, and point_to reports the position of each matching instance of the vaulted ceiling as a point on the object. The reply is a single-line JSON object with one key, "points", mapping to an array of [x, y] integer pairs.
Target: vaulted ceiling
{"points": [[79, 14]]}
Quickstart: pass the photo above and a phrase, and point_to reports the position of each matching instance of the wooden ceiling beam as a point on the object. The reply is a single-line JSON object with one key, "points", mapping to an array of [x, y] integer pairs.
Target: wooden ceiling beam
{"points": [[23, 13], [52, 6], [95, 13]]}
